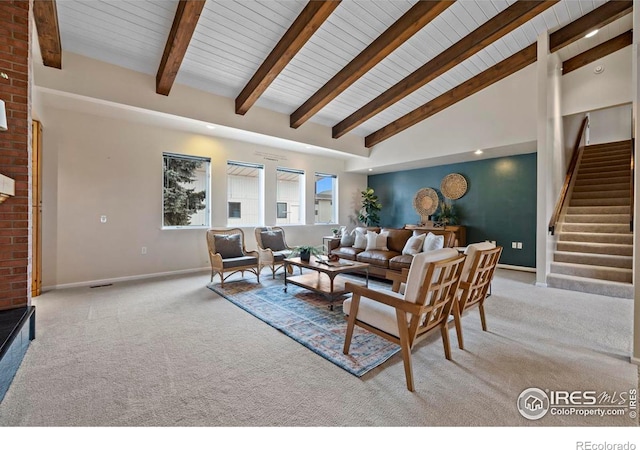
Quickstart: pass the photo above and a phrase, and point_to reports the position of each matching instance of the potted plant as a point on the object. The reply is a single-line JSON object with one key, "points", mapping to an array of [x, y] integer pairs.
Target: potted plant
{"points": [[305, 252], [336, 232], [369, 213], [447, 214]]}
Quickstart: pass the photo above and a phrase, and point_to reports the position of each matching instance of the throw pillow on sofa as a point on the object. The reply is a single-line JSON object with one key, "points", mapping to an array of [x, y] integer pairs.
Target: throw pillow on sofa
{"points": [[376, 241], [360, 240], [348, 239], [414, 245], [433, 242]]}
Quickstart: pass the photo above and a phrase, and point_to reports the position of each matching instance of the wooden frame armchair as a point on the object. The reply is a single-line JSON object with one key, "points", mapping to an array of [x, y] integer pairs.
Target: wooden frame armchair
{"points": [[272, 248], [475, 282], [398, 279], [228, 254], [406, 319]]}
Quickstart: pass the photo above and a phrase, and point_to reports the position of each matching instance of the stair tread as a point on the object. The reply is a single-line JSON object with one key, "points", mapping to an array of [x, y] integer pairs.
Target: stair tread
{"points": [[599, 208], [607, 180], [593, 280], [605, 288], [610, 166], [595, 233], [618, 159], [603, 244], [595, 267], [599, 216], [604, 255], [614, 193], [601, 260]]}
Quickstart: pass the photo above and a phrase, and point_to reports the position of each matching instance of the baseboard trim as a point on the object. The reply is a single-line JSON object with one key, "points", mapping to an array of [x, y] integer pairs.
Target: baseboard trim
{"points": [[187, 271], [121, 279], [520, 268]]}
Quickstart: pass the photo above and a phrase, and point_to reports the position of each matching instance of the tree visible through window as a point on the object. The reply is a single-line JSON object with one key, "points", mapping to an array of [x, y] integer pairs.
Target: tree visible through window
{"points": [[185, 199]]}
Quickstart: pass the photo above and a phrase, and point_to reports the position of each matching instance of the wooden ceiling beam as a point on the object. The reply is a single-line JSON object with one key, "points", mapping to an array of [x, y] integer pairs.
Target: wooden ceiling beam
{"points": [[503, 23], [306, 24], [402, 29], [45, 14], [562, 37], [612, 45], [184, 24], [599, 17], [484, 79]]}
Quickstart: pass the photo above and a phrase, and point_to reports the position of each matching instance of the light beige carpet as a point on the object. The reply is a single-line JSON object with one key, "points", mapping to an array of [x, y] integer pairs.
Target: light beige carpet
{"points": [[170, 352]]}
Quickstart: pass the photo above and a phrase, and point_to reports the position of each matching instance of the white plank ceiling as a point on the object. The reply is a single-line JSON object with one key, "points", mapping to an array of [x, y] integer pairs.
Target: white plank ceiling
{"points": [[233, 38]]}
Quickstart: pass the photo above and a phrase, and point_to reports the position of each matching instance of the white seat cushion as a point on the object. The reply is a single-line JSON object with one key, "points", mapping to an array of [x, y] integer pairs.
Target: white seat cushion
{"points": [[471, 251], [376, 314], [419, 267], [383, 317]]}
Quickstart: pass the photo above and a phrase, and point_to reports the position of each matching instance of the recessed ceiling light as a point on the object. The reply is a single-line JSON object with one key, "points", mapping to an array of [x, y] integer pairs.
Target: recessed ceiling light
{"points": [[478, 152], [591, 34], [211, 127], [370, 170]]}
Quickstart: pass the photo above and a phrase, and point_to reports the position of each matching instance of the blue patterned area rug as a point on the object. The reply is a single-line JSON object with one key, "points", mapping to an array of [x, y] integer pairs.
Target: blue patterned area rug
{"points": [[305, 317]]}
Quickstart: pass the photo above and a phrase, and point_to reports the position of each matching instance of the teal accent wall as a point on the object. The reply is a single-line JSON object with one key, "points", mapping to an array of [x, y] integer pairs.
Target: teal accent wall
{"points": [[500, 203]]}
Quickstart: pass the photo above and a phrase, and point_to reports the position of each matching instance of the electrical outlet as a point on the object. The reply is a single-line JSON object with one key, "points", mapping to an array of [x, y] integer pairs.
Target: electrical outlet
{"points": [[514, 245], [103, 219], [519, 245], [144, 250]]}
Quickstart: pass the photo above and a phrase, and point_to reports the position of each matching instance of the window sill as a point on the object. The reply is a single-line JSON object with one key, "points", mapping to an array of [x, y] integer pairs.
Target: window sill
{"points": [[203, 227]]}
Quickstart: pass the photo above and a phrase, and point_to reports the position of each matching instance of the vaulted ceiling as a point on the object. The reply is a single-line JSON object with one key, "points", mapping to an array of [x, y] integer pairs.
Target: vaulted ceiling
{"points": [[368, 67]]}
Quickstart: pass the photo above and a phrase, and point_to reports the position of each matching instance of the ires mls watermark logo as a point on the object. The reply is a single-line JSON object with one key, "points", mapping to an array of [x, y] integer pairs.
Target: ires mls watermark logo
{"points": [[534, 403]]}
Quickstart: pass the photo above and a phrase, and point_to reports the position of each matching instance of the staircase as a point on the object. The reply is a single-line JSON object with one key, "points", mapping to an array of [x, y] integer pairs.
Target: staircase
{"points": [[595, 245]]}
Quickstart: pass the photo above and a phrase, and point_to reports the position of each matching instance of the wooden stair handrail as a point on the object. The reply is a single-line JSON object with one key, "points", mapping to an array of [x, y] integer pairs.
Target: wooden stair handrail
{"points": [[567, 180], [632, 188]]}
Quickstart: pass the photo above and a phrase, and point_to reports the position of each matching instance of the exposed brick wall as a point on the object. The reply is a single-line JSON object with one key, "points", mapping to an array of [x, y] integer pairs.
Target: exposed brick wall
{"points": [[15, 153]]}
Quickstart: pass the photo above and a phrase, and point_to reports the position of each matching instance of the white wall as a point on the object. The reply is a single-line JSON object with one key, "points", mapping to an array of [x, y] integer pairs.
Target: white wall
{"points": [[502, 114], [583, 90], [98, 80], [571, 126], [97, 166], [610, 125], [550, 159]]}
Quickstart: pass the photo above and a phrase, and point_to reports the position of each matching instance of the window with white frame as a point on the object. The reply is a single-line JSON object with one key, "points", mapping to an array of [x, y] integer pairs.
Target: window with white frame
{"points": [[290, 195], [185, 191], [245, 193], [235, 210], [326, 205]]}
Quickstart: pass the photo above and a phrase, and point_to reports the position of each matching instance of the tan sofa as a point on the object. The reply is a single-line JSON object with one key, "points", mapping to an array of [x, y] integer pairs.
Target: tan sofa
{"points": [[382, 261]]}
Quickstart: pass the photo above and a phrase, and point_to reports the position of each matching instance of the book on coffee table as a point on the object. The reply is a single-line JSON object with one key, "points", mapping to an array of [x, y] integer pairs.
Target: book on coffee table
{"points": [[335, 263]]}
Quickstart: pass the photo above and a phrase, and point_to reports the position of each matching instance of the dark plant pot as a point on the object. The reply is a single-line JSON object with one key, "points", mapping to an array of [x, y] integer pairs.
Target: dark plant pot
{"points": [[305, 256]]}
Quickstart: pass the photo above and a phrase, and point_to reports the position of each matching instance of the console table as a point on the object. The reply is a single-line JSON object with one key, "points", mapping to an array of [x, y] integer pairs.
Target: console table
{"points": [[459, 230]]}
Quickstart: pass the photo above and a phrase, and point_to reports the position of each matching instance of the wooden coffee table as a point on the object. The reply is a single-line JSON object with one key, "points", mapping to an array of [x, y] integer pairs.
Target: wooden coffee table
{"points": [[324, 278]]}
